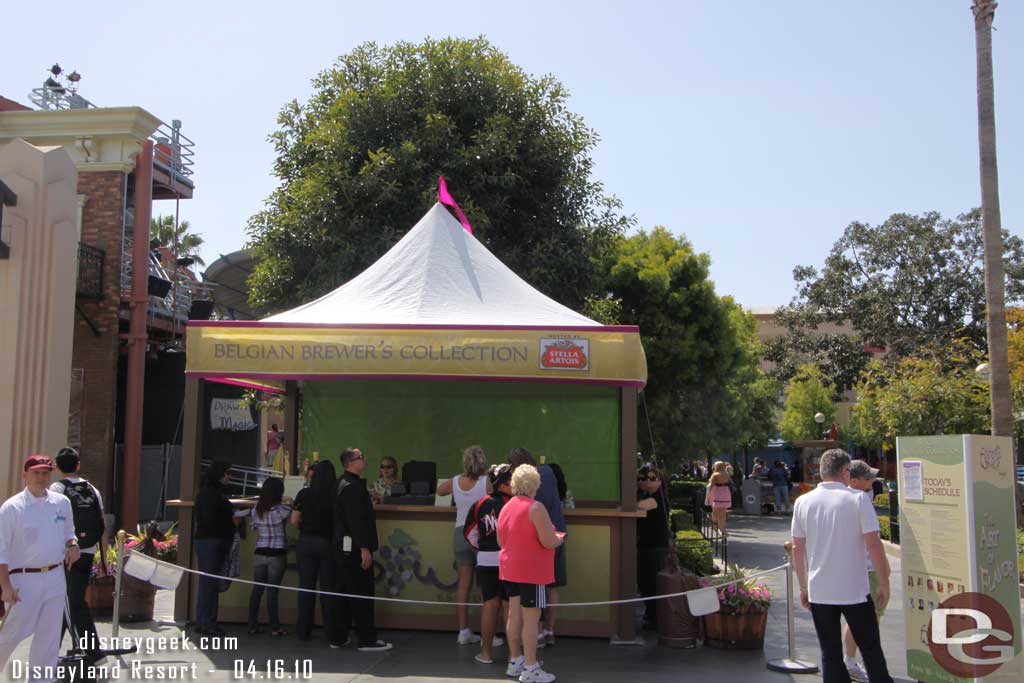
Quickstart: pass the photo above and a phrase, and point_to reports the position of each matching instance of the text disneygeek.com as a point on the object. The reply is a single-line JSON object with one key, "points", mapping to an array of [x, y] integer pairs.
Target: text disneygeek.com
{"points": [[162, 670]]}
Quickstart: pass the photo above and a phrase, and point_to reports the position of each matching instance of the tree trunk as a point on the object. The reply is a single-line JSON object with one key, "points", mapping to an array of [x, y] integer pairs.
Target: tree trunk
{"points": [[992, 231]]}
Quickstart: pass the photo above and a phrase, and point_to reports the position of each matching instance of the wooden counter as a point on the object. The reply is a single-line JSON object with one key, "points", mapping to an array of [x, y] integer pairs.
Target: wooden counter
{"points": [[415, 561]]}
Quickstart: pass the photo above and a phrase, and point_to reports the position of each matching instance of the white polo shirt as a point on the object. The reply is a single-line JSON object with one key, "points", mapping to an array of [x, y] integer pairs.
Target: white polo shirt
{"points": [[34, 531], [833, 519]]}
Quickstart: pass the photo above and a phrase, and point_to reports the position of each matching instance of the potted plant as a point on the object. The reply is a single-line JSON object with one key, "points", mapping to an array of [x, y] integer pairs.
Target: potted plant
{"points": [[99, 593], [743, 611], [138, 597]]}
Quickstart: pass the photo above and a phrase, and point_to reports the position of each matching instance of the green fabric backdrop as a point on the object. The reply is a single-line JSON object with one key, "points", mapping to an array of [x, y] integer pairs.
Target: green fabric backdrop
{"points": [[574, 425]]}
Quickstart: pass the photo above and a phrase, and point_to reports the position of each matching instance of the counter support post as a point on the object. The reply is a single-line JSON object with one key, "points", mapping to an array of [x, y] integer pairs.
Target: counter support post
{"points": [[623, 615], [191, 454], [291, 419]]}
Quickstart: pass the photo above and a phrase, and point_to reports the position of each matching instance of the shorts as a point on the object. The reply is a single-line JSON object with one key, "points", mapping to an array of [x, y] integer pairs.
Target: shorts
{"points": [[465, 555], [873, 585], [491, 586], [561, 572], [530, 594]]}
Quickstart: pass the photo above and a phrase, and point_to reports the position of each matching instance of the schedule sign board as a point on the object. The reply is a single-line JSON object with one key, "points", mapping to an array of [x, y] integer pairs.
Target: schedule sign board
{"points": [[959, 558]]}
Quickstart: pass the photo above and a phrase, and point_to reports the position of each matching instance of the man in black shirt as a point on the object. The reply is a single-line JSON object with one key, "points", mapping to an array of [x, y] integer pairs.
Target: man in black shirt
{"points": [[355, 541]]}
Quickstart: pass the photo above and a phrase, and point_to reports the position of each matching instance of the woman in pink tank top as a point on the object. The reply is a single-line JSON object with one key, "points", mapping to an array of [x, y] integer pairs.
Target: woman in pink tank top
{"points": [[719, 495], [526, 564]]}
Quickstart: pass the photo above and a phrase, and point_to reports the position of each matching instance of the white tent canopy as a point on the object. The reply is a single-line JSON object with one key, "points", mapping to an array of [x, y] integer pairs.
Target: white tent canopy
{"points": [[438, 274]]}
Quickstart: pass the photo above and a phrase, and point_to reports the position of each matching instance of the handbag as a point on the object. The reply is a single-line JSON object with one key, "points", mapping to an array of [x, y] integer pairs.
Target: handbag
{"points": [[232, 564]]}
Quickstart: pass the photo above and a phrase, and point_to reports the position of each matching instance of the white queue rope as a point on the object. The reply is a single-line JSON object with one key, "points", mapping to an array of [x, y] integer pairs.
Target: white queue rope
{"points": [[450, 604]]}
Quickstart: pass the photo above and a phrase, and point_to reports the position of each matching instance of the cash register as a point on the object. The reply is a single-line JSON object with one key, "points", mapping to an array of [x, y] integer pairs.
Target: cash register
{"points": [[417, 487]]}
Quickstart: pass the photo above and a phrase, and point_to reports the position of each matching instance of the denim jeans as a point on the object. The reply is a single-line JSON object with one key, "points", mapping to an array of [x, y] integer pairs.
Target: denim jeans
{"points": [[782, 498], [266, 569], [210, 554]]}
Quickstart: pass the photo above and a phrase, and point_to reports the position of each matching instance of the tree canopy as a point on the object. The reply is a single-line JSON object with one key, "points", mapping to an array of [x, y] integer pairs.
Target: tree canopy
{"points": [[705, 392], [162, 233], [913, 281], [931, 392], [359, 162], [808, 393]]}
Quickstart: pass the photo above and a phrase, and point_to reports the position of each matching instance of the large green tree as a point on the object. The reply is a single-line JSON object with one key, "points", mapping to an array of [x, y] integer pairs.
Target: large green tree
{"points": [[358, 165], [930, 392], [808, 394], [705, 392], [912, 281], [810, 338]]}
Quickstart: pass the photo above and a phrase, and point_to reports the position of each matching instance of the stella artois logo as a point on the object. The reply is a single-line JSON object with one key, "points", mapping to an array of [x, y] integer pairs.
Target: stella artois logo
{"points": [[564, 354]]}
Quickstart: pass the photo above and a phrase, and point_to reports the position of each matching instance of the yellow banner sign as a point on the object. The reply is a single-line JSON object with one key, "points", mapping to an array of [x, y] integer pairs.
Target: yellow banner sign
{"points": [[602, 354]]}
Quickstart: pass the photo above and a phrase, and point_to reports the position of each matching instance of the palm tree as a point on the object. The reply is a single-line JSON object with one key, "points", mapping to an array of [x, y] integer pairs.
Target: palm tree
{"points": [[162, 234], [992, 230]]}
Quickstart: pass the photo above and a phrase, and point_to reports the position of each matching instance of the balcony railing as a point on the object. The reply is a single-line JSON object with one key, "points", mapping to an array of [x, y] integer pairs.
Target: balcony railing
{"points": [[173, 151], [178, 302], [90, 272]]}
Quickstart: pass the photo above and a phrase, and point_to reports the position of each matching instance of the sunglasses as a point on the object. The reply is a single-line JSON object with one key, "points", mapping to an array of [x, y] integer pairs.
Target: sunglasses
{"points": [[387, 467], [648, 479]]}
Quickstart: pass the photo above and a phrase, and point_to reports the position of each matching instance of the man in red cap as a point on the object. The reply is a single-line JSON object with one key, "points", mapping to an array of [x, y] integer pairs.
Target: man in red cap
{"points": [[37, 535]]}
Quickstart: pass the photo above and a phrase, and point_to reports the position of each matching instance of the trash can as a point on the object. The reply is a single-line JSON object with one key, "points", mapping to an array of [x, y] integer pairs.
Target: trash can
{"points": [[752, 496], [894, 512]]}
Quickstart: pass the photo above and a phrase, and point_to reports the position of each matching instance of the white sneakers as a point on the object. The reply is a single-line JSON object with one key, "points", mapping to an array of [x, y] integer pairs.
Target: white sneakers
{"points": [[857, 672], [379, 646], [536, 675], [467, 637], [516, 669]]}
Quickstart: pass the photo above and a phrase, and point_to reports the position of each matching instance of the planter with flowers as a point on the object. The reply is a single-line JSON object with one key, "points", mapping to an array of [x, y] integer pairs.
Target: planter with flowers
{"points": [[743, 612], [138, 597], [99, 593]]}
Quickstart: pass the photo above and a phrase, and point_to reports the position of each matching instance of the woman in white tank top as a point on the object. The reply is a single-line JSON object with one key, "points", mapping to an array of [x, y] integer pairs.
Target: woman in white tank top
{"points": [[466, 490]]}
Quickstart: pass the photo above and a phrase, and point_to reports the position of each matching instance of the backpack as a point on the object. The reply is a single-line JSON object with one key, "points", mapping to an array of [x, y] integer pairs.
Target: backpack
{"points": [[471, 529], [87, 514]]}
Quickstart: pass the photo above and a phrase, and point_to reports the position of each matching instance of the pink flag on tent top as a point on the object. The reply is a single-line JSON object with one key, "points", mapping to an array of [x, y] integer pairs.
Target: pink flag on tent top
{"points": [[445, 198]]}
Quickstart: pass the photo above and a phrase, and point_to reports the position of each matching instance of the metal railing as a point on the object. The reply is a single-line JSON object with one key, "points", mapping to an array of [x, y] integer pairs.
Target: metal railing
{"points": [[719, 541], [245, 481], [178, 301], [173, 152], [90, 272]]}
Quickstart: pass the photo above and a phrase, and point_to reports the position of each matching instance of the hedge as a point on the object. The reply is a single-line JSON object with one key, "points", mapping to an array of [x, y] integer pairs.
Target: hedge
{"points": [[680, 493], [694, 552], [885, 528], [682, 520], [1020, 552], [882, 500]]}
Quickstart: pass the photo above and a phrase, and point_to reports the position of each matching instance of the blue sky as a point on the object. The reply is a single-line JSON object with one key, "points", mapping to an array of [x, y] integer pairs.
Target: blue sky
{"points": [[757, 129]]}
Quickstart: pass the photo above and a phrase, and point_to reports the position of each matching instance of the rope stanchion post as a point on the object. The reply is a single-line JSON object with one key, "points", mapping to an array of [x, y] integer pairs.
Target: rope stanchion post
{"points": [[791, 663], [119, 566]]}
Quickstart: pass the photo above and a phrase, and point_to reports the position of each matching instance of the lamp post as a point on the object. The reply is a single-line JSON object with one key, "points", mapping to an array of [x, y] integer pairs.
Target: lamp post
{"points": [[819, 419]]}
